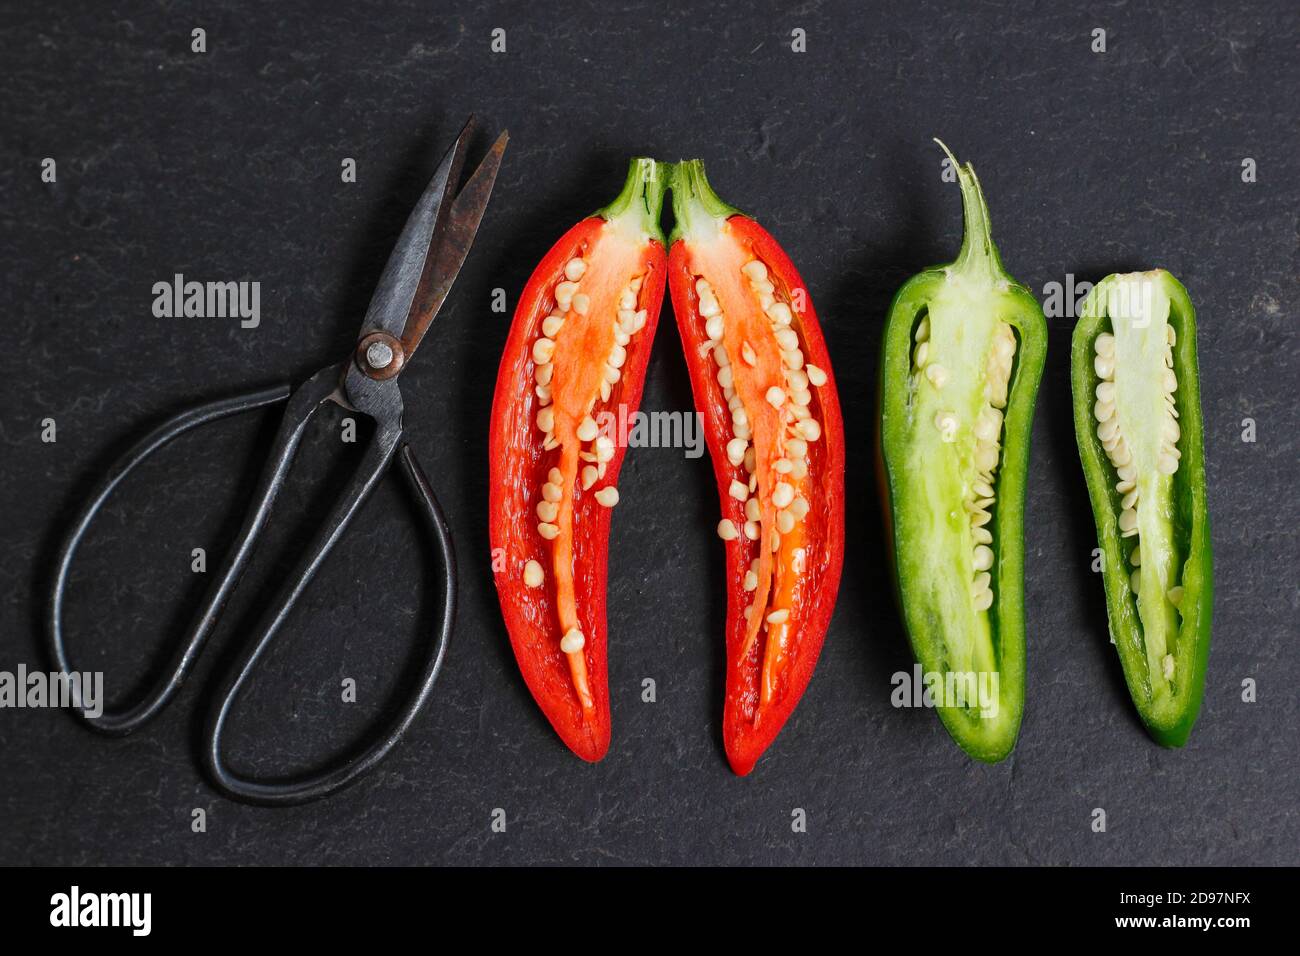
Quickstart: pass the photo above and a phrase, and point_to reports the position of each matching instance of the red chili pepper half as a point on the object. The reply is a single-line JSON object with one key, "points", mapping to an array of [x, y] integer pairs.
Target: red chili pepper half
{"points": [[762, 381], [577, 351]]}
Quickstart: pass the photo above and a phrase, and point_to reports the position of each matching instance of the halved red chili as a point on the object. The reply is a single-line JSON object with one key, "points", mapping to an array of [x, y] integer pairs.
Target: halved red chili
{"points": [[762, 380], [578, 348]]}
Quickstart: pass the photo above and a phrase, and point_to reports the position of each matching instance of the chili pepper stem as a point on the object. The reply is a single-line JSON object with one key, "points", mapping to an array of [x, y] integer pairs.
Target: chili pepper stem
{"points": [[978, 254], [697, 209], [638, 206]]}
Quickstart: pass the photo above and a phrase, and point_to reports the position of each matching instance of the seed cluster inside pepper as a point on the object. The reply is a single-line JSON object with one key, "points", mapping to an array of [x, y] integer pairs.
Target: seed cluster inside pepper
{"points": [[1137, 425], [571, 387], [979, 482], [768, 393]]}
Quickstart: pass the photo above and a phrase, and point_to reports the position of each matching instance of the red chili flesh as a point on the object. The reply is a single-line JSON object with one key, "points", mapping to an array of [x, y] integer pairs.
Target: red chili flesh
{"points": [[560, 524], [788, 570]]}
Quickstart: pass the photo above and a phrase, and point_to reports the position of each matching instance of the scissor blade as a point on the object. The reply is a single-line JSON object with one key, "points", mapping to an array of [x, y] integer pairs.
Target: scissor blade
{"points": [[452, 245], [391, 303]]}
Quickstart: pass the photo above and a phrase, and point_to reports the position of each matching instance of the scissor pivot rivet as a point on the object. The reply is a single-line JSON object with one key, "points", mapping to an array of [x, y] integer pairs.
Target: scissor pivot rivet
{"points": [[379, 355]]}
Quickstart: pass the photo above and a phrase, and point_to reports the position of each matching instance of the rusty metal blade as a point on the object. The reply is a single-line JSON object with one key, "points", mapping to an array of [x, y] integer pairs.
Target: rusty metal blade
{"points": [[402, 276], [452, 245]]}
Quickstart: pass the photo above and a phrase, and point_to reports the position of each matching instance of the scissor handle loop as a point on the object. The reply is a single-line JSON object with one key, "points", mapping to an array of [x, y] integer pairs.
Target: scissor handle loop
{"points": [[381, 401], [318, 783], [126, 720]]}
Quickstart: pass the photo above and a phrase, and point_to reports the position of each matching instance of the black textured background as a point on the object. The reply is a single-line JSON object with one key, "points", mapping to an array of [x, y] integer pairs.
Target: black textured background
{"points": [[226, 166]]}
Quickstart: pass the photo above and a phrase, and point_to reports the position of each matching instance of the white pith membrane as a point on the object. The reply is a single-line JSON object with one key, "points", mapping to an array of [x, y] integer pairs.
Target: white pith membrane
{"points": [[775, 503], [571, 391], [1137, 425], [980, 492], [962, 363]]}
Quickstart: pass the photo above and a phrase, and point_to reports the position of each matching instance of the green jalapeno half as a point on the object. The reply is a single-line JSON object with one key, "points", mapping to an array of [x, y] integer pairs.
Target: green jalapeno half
{"points": [[963, 353], [1137, 418]]}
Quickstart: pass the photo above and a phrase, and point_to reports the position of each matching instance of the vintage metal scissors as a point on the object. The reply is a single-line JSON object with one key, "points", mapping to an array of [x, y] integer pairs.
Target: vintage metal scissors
{"points": [[415, 282]]}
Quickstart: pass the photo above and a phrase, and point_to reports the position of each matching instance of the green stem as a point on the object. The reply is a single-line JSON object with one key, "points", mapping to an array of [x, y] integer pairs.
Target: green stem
{"points": [[697, 209], [978, 254], [640, 203]]}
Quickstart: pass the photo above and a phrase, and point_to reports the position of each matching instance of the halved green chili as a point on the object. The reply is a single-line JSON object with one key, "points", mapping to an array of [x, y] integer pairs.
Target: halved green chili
{"points": [[963, 353], [1137, 418]]}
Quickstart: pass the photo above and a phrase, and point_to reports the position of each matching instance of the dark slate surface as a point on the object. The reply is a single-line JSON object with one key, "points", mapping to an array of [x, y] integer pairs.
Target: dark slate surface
{"points": [[226, 166]]}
